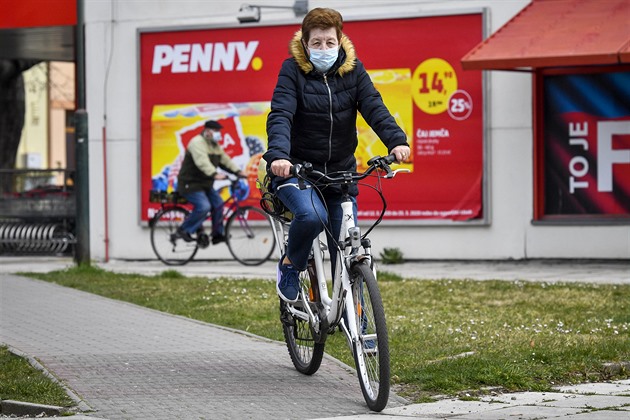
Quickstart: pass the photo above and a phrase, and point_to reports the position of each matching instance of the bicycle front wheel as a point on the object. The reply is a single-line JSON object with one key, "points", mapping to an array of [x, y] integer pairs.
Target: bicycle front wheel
{"points": [[169, 249], [250, 237], [371, 350]]}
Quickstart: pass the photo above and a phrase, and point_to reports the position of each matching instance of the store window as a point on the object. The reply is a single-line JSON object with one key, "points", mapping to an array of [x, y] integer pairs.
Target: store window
{"points": [[582, 145]]}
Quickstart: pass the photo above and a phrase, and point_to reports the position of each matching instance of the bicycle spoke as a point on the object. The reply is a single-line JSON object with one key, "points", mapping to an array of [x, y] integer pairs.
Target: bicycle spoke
{"points": [[305, 353], [250, 238], [371, 351], [169, 249]]}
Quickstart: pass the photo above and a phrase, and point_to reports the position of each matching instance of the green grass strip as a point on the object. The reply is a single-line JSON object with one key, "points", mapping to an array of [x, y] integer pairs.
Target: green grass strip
{"points": [[446, 336]]}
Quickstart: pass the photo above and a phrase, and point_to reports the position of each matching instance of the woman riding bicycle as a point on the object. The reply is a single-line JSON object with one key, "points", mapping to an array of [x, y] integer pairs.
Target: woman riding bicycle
{"points": [[313, 117]]}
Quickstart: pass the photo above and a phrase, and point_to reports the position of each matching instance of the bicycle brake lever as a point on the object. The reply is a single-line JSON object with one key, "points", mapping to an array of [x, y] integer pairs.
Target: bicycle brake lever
{"points": [[296, 169], [392, 174], [300, 170], [388, 170], [383, 163]]}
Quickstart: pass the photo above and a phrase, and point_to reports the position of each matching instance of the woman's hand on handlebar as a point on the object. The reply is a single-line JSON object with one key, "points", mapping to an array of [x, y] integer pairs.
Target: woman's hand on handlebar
{"points": [[281, 167], [402, 153]]}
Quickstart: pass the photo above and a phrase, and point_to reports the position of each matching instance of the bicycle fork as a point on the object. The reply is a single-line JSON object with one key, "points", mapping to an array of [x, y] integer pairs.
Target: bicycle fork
{"points": [[351, 246]]}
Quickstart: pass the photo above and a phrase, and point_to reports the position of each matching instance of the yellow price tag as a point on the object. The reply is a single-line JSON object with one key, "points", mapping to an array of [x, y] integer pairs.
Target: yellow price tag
{"points": [[432, 84]]}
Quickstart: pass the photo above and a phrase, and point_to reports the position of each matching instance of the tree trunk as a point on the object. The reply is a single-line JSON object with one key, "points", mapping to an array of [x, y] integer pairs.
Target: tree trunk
{"points": [[12, 109]]}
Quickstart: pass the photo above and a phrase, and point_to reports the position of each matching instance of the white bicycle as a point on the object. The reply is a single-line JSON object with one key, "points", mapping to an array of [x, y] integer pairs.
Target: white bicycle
{"points": [[354, 306]]}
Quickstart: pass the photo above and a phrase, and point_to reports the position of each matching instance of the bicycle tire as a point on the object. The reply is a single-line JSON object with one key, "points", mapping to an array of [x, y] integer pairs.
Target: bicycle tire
{"points": [[163, 226], [371, 351], [249, 236], [306, 354]]}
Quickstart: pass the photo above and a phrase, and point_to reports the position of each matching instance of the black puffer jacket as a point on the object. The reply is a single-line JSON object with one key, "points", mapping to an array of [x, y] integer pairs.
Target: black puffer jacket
{"points": [[313, 116]]}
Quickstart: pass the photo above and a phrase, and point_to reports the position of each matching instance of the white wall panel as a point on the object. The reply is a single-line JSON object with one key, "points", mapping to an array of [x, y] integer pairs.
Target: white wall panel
{"points": [[510, 233]]}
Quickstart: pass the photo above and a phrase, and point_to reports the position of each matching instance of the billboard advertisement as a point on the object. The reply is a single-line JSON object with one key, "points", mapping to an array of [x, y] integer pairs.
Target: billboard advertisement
{"points": [[586, 124], [190, 75]]}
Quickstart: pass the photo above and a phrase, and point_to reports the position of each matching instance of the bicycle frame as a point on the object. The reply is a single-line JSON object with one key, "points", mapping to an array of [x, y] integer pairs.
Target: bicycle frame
{"points": [[229, 206], [232, 203], [341, 293], [350, 242], [246, 230]]}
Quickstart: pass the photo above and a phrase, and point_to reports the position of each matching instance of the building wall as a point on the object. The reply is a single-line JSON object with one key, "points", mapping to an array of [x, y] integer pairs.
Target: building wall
{"points": [[112, 101]]}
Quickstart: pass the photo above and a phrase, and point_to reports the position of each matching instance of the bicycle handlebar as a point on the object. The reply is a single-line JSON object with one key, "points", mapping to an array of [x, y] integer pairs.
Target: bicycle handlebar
{"points": [[306, 170], [345, 178]]}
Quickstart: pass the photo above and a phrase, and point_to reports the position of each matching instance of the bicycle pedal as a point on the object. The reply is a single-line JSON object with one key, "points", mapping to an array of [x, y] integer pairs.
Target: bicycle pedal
{"points": [[203, 240], [370, 349], [287, 319], [370, 352]]}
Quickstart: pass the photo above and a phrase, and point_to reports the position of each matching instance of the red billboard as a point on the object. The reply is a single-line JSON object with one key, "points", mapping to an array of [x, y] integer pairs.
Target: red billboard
{"points": [[190, 75]]}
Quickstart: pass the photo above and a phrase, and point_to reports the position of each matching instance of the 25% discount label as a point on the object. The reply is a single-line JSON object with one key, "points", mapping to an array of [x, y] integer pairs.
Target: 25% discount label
{"points": [[434, 90]]}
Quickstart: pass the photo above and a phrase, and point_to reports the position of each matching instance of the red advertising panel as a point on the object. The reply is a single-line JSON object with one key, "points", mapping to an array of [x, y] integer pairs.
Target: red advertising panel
{"points": [[228, 74], [586, 144]]}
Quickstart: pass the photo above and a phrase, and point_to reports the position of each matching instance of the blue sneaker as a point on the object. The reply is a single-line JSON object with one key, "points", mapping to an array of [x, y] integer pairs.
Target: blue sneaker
{"points": [[288, 284]]}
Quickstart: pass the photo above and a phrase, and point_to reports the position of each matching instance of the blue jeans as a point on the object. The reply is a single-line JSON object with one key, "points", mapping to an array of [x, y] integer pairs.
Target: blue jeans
{"points": [[208, 200], [310, 214]]}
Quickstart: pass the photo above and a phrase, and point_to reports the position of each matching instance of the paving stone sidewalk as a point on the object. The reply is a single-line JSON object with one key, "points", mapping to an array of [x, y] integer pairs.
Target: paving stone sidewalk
{"points": [[129, 362]]}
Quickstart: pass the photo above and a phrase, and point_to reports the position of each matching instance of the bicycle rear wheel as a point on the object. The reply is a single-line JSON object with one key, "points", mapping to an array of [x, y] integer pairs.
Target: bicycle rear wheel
{"points": [[306, 354], [371, 351], [171, 250], [250, 237]]}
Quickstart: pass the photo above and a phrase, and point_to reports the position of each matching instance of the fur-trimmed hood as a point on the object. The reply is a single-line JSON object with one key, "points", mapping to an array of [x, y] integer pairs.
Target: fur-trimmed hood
{"points": [[296, 49]]}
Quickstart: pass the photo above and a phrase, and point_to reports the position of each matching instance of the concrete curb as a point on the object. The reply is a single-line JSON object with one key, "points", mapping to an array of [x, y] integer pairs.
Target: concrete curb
{"points": [[20, 408], [80, 405]]}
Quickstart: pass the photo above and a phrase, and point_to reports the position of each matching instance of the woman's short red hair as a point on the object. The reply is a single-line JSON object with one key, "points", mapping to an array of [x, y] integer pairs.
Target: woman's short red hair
{"points": [[322, 18]]}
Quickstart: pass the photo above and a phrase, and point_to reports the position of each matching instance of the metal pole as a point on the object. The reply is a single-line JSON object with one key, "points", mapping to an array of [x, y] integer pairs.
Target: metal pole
{"points": [[82, 251]]}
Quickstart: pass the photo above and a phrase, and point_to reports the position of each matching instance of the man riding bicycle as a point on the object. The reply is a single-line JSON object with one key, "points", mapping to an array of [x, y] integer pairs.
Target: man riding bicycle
{"points": [[195, 182], [320, 89]]}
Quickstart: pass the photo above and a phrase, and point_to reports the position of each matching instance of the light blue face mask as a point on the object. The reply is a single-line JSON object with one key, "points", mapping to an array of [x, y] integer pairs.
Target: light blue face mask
{"points": [[323, 59]]}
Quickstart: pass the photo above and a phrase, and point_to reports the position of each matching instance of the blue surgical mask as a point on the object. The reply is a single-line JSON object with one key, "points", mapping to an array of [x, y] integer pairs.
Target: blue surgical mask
{"points": [[323, 60], [216, 136]]}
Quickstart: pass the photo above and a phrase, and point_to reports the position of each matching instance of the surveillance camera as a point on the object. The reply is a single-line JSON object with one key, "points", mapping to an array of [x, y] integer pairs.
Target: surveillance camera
{"points": [[248, 14]]}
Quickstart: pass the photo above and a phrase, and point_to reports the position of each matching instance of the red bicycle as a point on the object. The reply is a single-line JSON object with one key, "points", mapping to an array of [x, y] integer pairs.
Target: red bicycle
{"points": [[248, 230]]}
